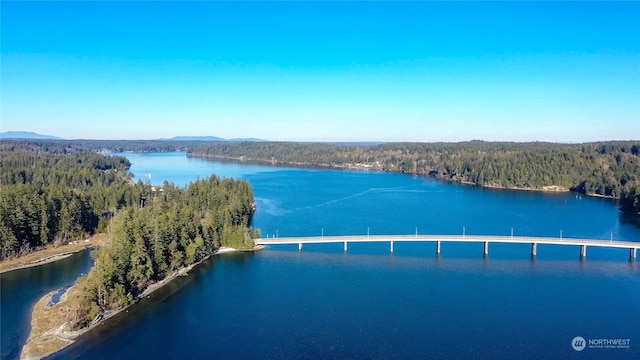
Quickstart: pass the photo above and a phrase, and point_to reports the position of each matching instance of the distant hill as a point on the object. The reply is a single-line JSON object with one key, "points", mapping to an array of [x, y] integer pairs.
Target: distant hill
{"points": [[210, 138], [26, 135]]}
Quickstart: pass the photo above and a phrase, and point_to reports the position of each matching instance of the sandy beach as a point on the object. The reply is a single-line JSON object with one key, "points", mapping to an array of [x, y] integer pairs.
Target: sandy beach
{"points": [[51, 254]]}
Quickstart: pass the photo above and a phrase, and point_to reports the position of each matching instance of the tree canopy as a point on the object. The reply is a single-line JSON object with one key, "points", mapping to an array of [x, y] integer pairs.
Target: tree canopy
{"points": [[606, 168], [51, 196], [52, 199], [175, 229]]}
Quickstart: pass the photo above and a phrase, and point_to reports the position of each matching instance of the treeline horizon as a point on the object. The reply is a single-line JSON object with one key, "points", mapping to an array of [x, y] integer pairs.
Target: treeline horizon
{"points": [[607, 168], [52, 194], [610, 169]]}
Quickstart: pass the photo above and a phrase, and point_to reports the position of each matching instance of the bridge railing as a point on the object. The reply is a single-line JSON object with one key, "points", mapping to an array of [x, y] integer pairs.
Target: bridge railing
{"points": [[486, 239]]}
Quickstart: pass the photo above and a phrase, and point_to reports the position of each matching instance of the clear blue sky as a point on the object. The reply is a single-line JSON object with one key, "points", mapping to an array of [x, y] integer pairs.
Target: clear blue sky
{"points": [[323, 71]]}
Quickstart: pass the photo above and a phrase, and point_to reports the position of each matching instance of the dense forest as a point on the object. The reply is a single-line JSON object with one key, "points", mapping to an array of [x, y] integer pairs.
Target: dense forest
{"points": [[175, 229], [53, 192], [609, 169], [52, 199], [61, 147], [56, 192]]}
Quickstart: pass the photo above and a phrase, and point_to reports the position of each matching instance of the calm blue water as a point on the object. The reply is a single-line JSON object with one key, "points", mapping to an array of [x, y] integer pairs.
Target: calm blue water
{"points": [[323, 303]]}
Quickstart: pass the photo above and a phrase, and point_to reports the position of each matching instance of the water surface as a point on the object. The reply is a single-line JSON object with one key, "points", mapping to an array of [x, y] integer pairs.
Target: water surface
{"points": [[21, 289]]}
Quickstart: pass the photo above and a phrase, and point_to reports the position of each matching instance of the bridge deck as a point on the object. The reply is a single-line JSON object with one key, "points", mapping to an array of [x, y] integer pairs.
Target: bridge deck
{"points": [[448, 238]]}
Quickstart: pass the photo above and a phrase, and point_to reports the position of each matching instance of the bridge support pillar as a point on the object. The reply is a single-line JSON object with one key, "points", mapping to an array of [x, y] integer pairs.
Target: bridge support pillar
{"points": [[438, 243], [299, 246], [345, 246], [633, 253], [486, 248], [391, 246], [534, 249], [583, 250]]}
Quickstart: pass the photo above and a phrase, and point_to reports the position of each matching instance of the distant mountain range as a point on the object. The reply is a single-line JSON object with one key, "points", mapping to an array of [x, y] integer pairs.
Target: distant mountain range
{"points": [[26, 135], [36, 136]]}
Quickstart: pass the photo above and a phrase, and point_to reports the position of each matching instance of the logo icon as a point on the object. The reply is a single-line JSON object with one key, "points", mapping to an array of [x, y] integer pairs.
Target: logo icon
{"points": [[578, 343]]}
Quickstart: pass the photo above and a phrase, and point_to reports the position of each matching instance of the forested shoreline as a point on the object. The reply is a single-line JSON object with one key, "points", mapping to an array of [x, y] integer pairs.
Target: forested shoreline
{"points": [[175, 229], [609, 169], [147, 247], [55, 193], [51, 199]]}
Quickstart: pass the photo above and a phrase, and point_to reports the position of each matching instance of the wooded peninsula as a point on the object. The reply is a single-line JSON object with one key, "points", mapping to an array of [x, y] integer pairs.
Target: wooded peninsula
{"points": [[51, 198]]}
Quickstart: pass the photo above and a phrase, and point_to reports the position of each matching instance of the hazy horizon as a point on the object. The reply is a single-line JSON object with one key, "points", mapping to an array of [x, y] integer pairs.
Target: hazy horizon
{"points": [[61, 138], [565, 72]]}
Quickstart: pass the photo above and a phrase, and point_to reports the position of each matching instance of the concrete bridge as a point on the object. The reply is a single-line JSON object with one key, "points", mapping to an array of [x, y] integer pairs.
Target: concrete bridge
{"points": [[439, 239]]}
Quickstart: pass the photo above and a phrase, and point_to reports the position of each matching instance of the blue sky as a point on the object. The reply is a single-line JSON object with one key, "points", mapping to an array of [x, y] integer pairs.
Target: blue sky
{"points": [[323, 71]]}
